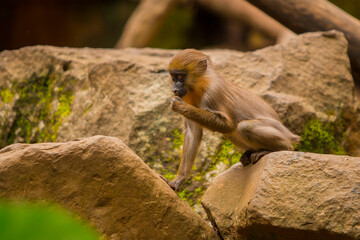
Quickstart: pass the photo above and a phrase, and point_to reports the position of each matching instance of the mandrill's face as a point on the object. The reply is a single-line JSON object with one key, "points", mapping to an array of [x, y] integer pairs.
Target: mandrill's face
{"points": [[178, 87], [186, 70]]}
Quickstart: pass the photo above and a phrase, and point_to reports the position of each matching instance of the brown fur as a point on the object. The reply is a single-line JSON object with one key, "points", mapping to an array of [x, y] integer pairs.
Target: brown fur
{"points": [[211, 102]]}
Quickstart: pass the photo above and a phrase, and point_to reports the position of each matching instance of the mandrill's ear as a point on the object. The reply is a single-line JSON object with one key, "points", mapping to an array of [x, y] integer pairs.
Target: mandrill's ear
{"points": [[201, 66]]}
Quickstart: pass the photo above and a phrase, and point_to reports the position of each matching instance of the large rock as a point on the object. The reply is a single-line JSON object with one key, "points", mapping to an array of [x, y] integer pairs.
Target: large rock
{"points": [[288, 195], [126, 93], [105, 182], [58, 94]]}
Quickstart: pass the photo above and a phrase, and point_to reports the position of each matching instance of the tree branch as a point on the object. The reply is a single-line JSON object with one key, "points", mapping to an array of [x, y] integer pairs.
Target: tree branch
{"points": [[245, 12], [145, 22], [320, 15]]}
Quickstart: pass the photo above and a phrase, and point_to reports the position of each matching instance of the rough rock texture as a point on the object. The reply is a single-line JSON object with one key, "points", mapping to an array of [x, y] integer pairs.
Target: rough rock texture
{"points": [[126, 93], [288, 195], [58, 94], [104, 181]]}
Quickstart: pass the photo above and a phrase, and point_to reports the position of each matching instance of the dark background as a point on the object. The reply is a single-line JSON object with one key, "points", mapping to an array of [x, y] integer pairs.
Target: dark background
{"points": [[99, 24]]}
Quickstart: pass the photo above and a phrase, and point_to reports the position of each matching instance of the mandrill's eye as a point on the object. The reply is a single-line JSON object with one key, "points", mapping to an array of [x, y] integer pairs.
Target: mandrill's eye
{"points": [[178, 77], [181, 77]]}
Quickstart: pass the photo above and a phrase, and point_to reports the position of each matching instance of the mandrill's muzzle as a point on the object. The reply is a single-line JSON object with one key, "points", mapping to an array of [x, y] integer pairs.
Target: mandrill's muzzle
{"points": [[179, 90]]}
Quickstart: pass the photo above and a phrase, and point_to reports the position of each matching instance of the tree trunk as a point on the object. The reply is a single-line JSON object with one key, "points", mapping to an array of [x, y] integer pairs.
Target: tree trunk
{"points": [[317, 15], [245, 12], [145, 22]]}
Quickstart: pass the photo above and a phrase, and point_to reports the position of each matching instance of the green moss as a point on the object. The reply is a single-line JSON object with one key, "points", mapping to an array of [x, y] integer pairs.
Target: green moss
{"points": [[198, 177], [226, 153], [199, 192], [64, 109], [170, 175], [321, 137], [44, 102], [177, 139], [193, 188], [187, 196], [6, 95], [87, 109], [172, 155]]}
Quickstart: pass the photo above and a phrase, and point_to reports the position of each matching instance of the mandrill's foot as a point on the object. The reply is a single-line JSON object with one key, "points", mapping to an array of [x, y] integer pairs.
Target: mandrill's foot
{"points": [[245, 157], [177, 182], [174, 184], [253, 157], [163, 178]]}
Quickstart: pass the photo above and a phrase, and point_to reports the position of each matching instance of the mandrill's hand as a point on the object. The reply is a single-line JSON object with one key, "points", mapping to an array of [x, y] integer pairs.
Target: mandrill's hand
{"points": [[176, 102]]}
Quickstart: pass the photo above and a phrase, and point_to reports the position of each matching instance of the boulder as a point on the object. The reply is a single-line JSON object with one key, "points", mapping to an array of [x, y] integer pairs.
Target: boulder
{"points": [[103, 181], [58, 94], [126, 93], [288, 195]]}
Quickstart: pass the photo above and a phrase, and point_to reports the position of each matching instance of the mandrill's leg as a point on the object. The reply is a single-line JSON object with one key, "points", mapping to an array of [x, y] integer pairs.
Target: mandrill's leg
{"points": [[263, 136], [192, 139]]}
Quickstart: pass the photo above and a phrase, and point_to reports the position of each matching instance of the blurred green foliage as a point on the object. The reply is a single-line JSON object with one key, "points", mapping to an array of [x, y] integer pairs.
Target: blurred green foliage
{"points": [[176, 29], [190, 26], [29, 221], [189, 23]]}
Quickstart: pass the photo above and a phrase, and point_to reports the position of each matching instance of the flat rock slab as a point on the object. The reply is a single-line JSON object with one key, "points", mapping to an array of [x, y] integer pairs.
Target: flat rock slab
{"points": [[288, 195], [103, 181]]}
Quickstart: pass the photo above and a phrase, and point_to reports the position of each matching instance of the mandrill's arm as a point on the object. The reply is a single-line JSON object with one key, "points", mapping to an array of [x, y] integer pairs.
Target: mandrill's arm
{"points": [[193, 135], [215, 121]]}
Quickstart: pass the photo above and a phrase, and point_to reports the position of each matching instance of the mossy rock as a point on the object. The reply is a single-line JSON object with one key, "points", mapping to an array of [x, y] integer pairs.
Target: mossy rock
{"points": [[40, 103], [319, 137]]}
